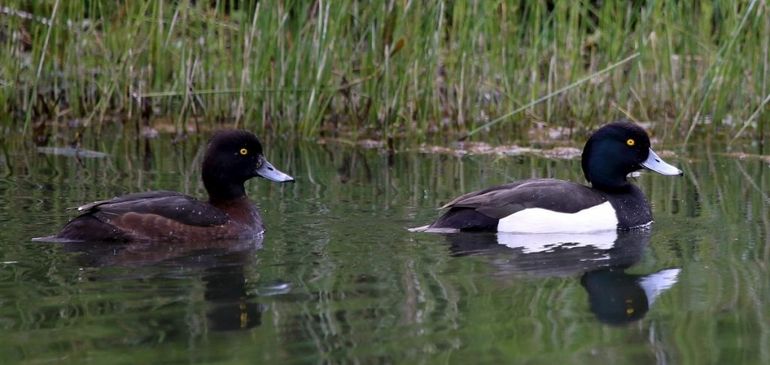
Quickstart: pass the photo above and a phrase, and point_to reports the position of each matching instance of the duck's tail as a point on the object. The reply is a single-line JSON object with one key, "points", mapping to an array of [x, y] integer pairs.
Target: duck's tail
{"points": [[53, 239], [429, 229]]}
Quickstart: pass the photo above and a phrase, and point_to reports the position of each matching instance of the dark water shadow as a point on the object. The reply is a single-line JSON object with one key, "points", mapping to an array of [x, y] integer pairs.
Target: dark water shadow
{"points": [[600, 260], [220, 265]]}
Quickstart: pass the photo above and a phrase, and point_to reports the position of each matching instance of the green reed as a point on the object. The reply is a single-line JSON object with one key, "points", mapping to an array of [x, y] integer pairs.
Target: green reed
{"points": [[393, 69]]}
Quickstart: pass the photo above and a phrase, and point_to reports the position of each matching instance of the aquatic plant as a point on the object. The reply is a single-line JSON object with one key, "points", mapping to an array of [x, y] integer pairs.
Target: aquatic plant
{"points": [[385, 70]]}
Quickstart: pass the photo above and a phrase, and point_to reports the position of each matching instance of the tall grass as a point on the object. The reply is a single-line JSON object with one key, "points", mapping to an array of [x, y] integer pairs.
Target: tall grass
{"points": [[391, 69]]}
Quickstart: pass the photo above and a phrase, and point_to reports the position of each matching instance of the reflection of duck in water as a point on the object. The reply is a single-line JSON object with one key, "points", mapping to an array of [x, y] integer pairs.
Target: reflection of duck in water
{"points": [[618, 298], [220, 266], [546, 255], [601, 258], [229, 304]]}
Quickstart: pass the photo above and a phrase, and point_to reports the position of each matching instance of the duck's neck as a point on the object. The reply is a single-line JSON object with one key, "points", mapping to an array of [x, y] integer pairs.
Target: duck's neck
{"points": [[618, 185], [221, 190], [604, 176]]}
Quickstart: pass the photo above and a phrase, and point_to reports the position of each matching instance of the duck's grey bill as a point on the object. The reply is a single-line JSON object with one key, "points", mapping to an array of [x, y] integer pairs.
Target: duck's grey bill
{"points": [[271, 173], [655, 163]]}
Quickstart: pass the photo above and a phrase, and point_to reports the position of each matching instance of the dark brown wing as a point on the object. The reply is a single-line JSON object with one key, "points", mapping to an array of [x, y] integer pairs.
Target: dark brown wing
{"points": [[480, 210], [181, 208], [157, 215]]}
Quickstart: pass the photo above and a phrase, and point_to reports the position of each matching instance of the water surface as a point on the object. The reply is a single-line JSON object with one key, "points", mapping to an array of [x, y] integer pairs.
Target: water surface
{"points": [[337, 278]]}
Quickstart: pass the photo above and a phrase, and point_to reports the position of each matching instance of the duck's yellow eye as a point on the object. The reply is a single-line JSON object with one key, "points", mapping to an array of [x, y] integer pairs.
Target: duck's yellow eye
{"points": [[629, 142], [246, 152]]}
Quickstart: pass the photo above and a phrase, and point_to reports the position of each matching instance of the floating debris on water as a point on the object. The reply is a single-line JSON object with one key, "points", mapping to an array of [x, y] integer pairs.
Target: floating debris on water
{"points": [[71, 152], [479, 148], [746, 156], [370, 144], [562, 152]]}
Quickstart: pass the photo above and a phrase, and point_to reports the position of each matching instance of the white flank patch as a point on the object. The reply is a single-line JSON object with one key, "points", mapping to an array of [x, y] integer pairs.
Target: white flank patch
{"points": [[538, 220], [531, 243], [657, 283]]}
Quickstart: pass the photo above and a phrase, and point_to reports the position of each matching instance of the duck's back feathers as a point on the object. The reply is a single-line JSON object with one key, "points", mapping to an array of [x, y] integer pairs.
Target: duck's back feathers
{"points": [[552, 194], [482, 210], [167, 204]]}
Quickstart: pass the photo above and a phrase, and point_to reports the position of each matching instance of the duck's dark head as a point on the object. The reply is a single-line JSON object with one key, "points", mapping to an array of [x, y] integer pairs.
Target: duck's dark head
{"points": [[231, 158], [616, 150]]}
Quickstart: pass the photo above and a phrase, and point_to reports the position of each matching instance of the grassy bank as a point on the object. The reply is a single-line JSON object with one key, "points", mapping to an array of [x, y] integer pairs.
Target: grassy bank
{"points": [[398, 69]]}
